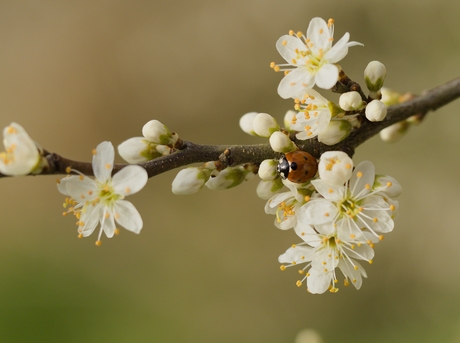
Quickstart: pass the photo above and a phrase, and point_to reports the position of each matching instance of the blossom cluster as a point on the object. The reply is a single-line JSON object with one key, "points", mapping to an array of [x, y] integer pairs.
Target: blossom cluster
{"points": [[339, 217], [338, 211]]}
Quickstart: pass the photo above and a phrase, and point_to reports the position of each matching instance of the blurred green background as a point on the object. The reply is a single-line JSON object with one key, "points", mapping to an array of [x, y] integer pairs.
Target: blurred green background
{"points": [[204, 268]]}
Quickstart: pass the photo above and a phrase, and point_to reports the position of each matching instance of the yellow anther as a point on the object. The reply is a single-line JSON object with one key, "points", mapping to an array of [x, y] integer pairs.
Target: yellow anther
{"points": [[392, 207], [80, 235], [272, 65], [330, 190], [306, 198], [81, 177], [98, 243], [367, 186], [117, 231], [334, 290], [58, 181], [291, 32], [301, 271], [127, 190], [359, 174], [320, 31], [108, 166], [348, 166], [354, 280], [276, 68], [330, 22], [355, 267], [299, 34], [294, 263], [370, 261], [389, 184], [64, 213], [381, 237], [375, 219], [345, 282], [326, 214], [283, 267], [68, 170], [298, 283], [293, 61], [293, 246], [352, 236]]}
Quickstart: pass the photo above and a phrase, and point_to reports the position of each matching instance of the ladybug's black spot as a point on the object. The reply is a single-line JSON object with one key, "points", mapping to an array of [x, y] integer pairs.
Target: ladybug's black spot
{"points": [[293, 166]]}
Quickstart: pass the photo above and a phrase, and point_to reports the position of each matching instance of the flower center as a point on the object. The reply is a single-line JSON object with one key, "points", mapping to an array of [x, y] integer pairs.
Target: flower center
{"points": [[107, 194]]}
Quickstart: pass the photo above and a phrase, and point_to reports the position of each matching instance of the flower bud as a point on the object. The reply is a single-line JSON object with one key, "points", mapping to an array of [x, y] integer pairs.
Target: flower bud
{"points": [[21, 155], [158, 133], [390, 97], [267, 170], [229, 177], [376, 110], [351, 101], [394, 133], [374, 75], [139, 149], [190, 180], [335, 132], [288, 117], [335, 167], [267, 188], [264, 125], [280, 142], [246, 123]]}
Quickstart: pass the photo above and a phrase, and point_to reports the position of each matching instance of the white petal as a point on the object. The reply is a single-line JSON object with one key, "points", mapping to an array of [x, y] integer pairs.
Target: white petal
{"points": [[295, 83], [318, 282], [129, 180], [288, 45], [127, 216], [90, 218], [308, 234], [103, 161], [362, 179], [80, 188], [108, 223], [318, 34], [297, 254], [329, 191], [327, 76], [340, 49], [317, 211]]}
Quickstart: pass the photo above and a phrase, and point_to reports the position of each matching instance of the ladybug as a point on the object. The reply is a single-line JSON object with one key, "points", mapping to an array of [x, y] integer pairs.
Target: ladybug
{"points": [[297, 166]]}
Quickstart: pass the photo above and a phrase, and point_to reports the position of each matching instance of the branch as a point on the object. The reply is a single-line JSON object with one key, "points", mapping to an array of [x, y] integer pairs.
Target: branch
{"points": [[232, 155]]}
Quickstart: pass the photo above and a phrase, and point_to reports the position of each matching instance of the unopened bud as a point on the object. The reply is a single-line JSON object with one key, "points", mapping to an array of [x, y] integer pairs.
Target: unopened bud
{"points": [[335, 132], [280, 142], [139, 149], [267, 188], [267, 170], [351, 101], [374, 75], [246, 123], [156, 132], [190, 180], [264, 125], [376, 110], [229, 178], [395, 132]]}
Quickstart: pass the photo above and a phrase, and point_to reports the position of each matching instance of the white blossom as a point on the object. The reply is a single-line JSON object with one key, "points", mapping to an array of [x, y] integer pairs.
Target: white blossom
{"points": [[280, 142], [323, 252], [246, 123], [156, 132], [356, 209], [310, 59], [101, 200], [335, 132], [314, 116]]}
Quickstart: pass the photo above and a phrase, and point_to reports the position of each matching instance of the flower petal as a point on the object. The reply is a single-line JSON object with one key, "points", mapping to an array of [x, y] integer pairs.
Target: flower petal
{"points": [[288, 47], [295, 83], [127, 216], [129, 180], [318, 282], [327, 76], [103, 161], [317, 211]]}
